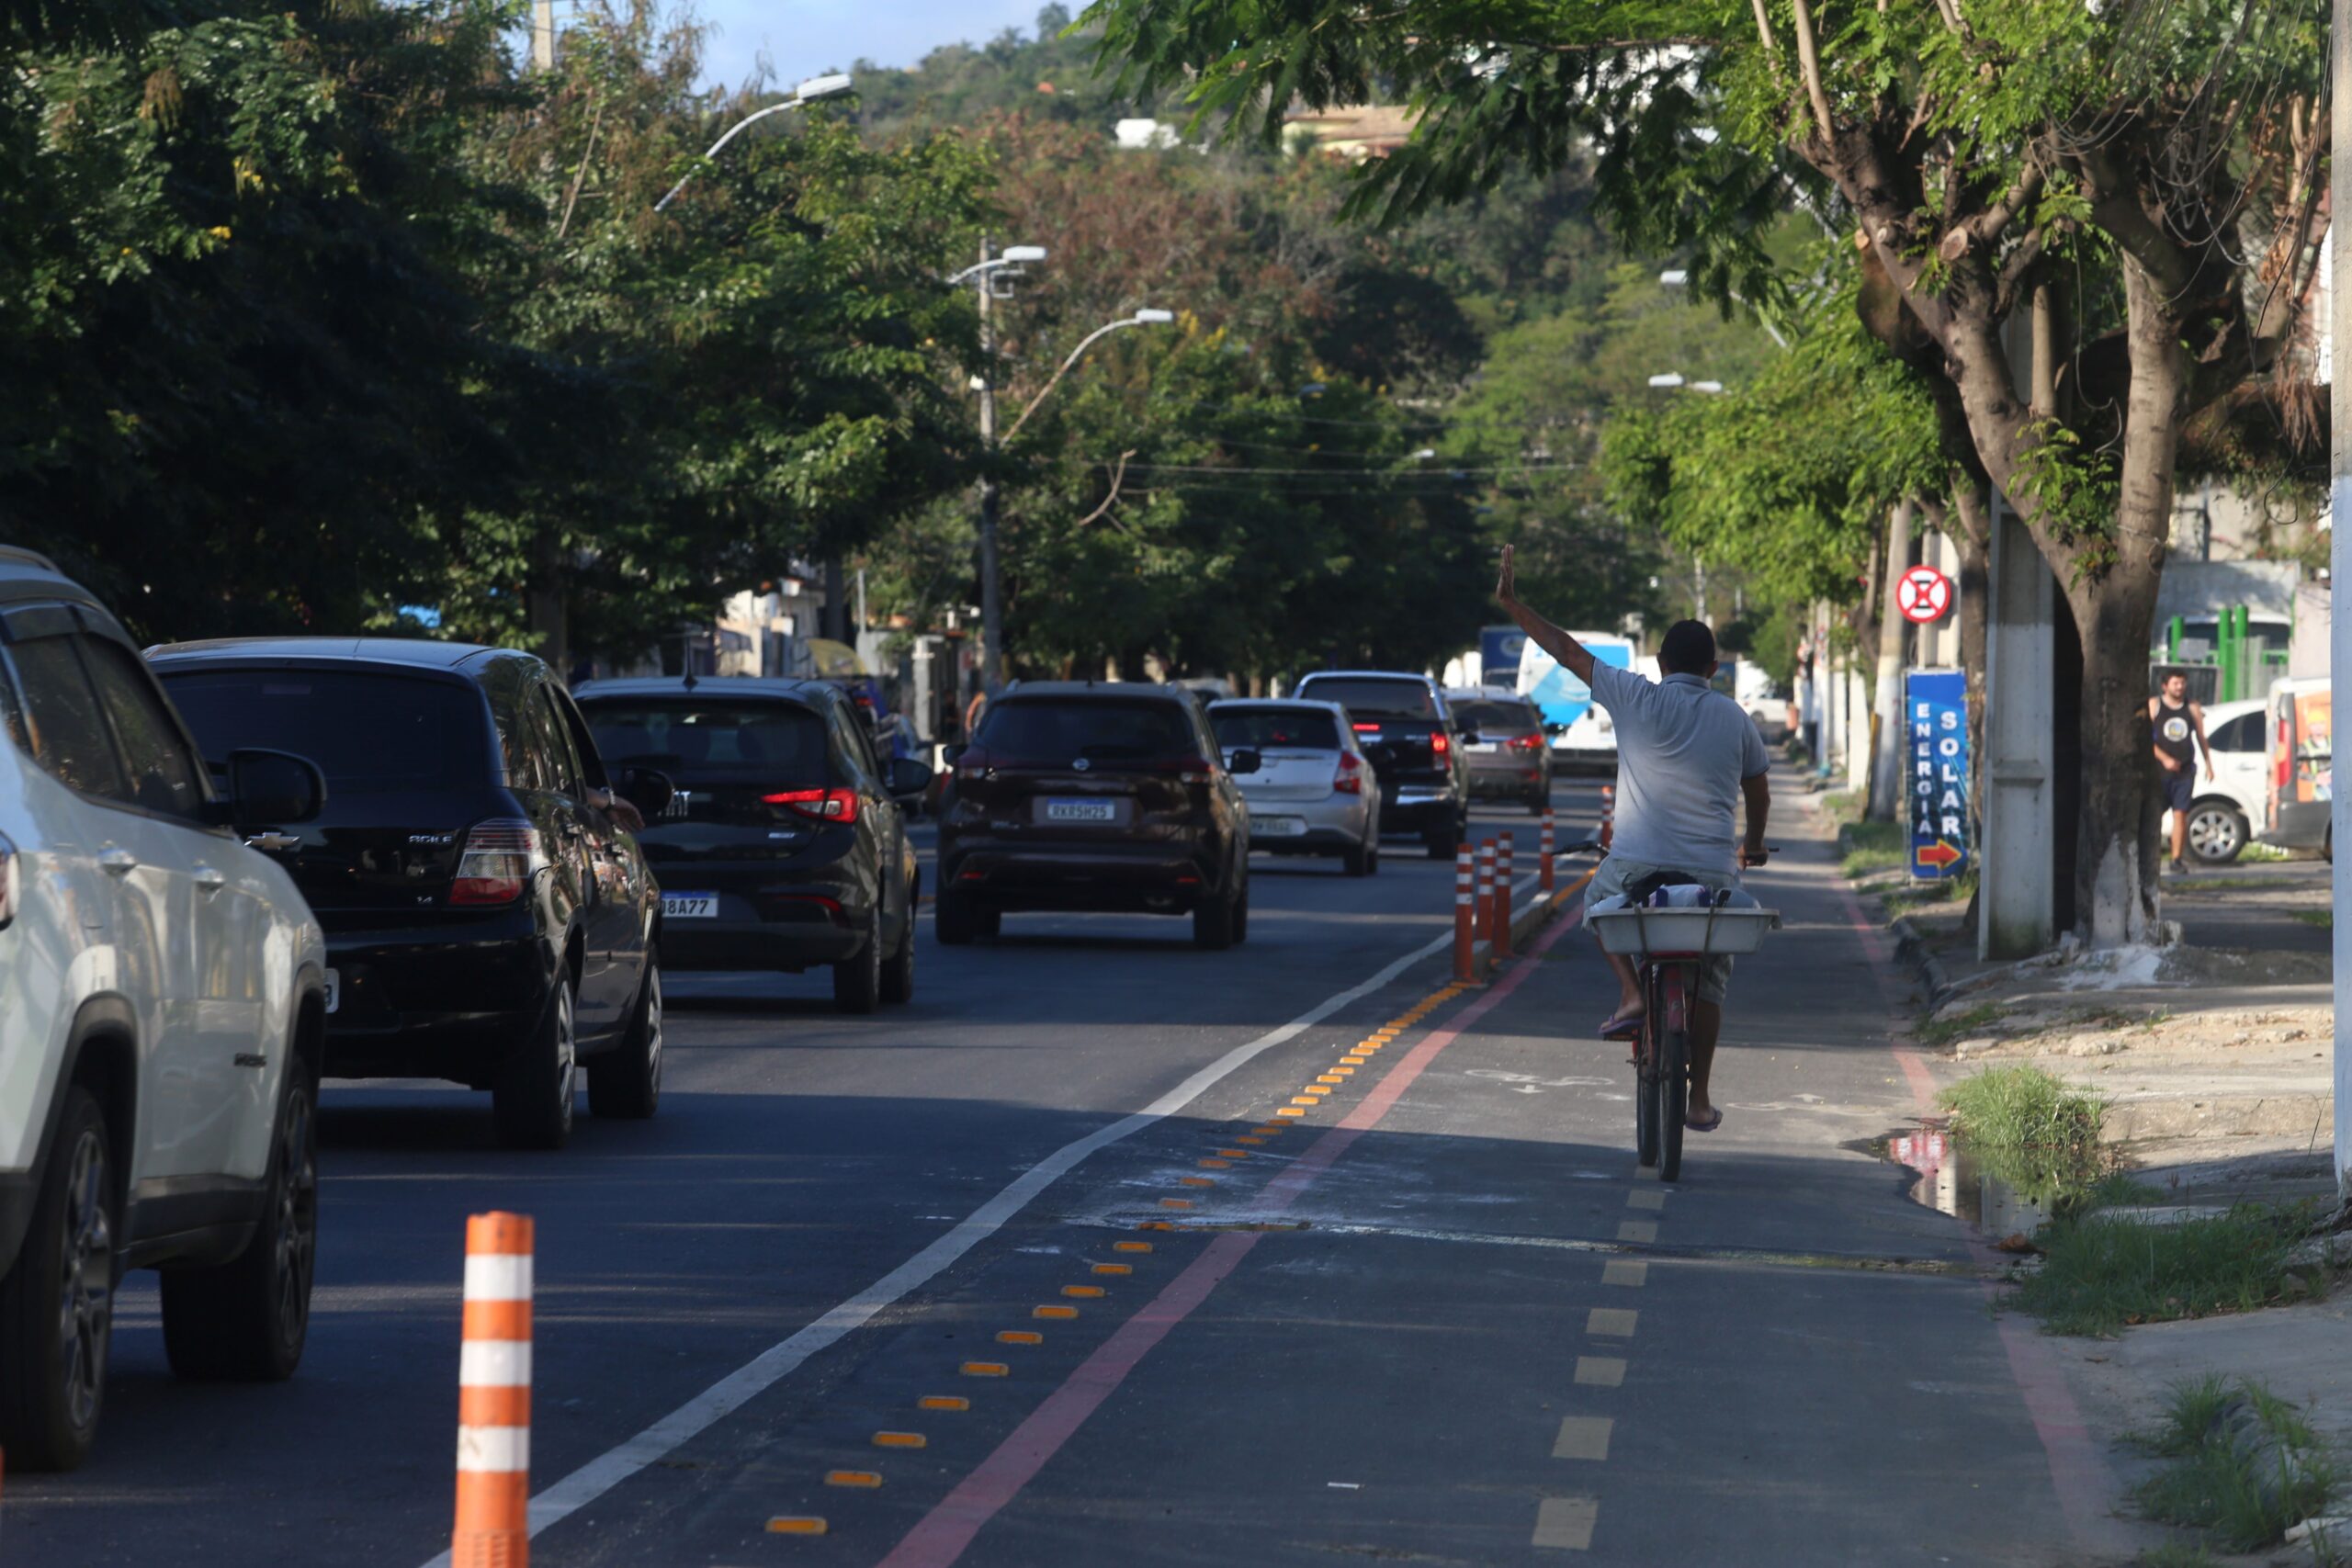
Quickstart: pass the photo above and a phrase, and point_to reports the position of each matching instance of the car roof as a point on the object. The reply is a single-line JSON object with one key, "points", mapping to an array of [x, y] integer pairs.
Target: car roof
{"points": [[1481, 694], [2237, 708], [416, 653], [1369, 675], [28, 574], [714, 688], [1148, 690], [1278, 702]]}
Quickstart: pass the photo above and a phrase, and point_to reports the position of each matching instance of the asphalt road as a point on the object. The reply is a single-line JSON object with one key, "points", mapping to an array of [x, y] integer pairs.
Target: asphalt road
{"points": [[1440, 1318]]}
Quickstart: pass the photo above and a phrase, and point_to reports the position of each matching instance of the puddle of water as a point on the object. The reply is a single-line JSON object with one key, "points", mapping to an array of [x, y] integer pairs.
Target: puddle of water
{"points": [[2000, 1194]]}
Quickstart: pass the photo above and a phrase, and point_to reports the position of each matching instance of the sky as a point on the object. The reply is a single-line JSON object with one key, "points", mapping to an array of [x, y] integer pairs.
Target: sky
{"points": [[806, 37]]}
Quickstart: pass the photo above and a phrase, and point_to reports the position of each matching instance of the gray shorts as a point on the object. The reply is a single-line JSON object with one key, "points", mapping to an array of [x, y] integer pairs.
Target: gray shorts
{"points": [[1617, 873]]}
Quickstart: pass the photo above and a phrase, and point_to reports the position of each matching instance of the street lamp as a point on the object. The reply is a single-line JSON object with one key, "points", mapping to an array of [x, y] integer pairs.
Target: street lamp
{"points": [[982, 276], [1147, 317], [1669, 381], [809, 92], [1676, 278]]}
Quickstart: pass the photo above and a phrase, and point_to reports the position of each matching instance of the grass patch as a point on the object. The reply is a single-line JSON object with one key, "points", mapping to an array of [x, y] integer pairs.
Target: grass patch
{"points": [[2255, 854], [1901, 901], [1872, 846], [1843, 806], [2023, 1108], [1959, 1026], [2246, 1466], [2101, 1273], [2324, 919], [2173, 1554], [2180, 887]]}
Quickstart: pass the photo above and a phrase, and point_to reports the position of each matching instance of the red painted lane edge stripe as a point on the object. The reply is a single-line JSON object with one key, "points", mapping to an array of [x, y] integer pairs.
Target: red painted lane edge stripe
{"points": [[2078, 1471], [941, 1536]]}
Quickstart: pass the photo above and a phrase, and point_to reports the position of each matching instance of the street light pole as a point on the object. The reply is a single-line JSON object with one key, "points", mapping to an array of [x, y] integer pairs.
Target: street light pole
{"points": [[991, 588], [808, 91], [1146, 317], [2339, 555]]}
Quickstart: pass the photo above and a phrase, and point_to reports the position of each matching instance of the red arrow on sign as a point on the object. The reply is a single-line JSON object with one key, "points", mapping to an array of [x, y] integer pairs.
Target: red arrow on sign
{"points": [[1942, 854]]}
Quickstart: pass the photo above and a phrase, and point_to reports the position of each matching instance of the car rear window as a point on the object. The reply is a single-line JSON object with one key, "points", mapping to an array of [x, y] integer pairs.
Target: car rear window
{"points": [[368, 733], [1373, 698], [1053, 731], [1503, 719], [1263, 728], [693, 741]]}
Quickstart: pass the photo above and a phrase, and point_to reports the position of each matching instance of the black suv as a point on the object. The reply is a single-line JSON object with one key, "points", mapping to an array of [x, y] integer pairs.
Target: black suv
{"points": [[1083, 796], [489, 917], [1419, 749], [784, 847]]}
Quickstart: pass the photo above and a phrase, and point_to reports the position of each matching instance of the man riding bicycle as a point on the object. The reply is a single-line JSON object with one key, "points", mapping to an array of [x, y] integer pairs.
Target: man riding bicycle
{"points": [[1685, 754]]}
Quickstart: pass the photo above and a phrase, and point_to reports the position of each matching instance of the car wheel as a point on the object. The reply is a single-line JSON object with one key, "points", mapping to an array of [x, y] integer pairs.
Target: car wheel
{"points": [[898, 973], [626, 1082], [57, 1303], [1440, 843], [532, 1102], [857, 982], [2217, 831], [1212, 924], [1241, 913], [953, 921], [1358, 859], [1539, 804], [246, 1319]]}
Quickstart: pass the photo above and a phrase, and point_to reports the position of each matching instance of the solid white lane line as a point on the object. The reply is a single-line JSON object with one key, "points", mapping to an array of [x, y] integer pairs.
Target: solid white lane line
{"points": [[771, 1366]]}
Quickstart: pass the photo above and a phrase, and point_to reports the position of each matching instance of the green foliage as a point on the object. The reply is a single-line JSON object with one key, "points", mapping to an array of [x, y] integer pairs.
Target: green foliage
{"points": [[1866, 847], [2101, 1273], [2246, 1466], [2023, 1108]]}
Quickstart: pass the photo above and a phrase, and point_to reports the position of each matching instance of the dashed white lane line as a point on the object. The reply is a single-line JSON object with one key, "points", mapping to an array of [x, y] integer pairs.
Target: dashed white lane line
{"points": [[1601, 1371], [1583, 1437], [1624, 1272], [1637, 1230], [1617, 1322], [1566, 1523], [1646, 1198], [772, 1366]]}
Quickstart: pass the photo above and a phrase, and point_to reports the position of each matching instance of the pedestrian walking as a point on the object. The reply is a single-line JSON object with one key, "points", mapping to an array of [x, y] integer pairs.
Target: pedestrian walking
{"points": [[2178, 727]]}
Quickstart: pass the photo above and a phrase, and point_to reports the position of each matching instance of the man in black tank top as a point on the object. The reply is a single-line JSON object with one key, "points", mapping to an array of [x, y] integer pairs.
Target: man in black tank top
{"points": [[2178, 726]]}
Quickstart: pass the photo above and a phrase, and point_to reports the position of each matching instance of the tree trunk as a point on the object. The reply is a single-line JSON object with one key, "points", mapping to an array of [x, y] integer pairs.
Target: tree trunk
{"points": [[1887, 752], [2115, 874]]}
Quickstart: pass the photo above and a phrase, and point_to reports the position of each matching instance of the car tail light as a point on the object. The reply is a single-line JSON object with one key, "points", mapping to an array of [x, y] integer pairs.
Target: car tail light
{"points": [[10, 886], [1525, 742], [2282, 762], [1441, 746], [973, 765], [501, 858], [1195, 770], [1365, 728], [817, 804], [1350, 775]]}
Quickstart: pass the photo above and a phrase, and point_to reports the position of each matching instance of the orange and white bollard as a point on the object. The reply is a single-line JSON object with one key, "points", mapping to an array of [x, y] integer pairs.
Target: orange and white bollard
{"points": [[494, 1397], [1466, 917], [1543, 853], [1502, 896], [1608, 813], [1487, 892]]}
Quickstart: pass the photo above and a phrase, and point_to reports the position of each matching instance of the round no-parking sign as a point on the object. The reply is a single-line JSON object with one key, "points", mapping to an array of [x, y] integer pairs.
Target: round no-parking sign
{"points": [[1923, 594]]}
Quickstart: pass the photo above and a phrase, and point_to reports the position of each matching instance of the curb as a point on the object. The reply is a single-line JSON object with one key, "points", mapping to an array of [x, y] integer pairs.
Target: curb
{"points": [[1910, 947]]}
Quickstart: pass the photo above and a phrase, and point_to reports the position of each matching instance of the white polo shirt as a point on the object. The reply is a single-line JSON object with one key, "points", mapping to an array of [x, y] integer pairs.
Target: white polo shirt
{"points": [[1682, 750]]}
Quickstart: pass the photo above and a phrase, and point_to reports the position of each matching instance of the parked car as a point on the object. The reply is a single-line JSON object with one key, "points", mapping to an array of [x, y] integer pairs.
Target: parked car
{"points": [[784, 846], [1511, 759], [2222, 813], [489, 916], [1086, 796], [1314, 792], [2301, 783], [1417, 749], [164, 989]]}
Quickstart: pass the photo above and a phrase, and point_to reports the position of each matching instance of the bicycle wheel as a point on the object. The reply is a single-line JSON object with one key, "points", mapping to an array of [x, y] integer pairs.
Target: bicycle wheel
{"points": [[1673, 1069], [1645, 1099]]}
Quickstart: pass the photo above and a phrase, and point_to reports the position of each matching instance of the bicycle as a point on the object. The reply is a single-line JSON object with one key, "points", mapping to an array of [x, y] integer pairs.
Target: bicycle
{"points": [[1668, 943]]}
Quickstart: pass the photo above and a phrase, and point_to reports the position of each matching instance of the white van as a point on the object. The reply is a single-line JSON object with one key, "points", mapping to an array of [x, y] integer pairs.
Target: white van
{"points": [[1580, 731]]}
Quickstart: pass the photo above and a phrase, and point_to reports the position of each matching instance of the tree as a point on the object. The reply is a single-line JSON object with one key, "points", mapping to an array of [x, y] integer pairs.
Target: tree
{"points": [[2136, 182]]}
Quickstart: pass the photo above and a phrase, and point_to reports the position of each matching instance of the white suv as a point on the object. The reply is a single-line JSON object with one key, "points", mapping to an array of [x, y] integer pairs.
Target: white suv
{"points": [[162, 993]]}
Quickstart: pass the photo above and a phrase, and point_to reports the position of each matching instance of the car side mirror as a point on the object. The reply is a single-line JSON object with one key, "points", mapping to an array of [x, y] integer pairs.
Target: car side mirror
{"points": [[274, 788], [1469, 734], [648, 789], [910, 776], [1556, 730], [1245, 761], [948, 753]]}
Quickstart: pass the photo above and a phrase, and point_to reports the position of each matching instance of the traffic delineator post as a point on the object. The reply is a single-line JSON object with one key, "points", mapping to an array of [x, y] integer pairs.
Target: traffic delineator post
{"points": [[1502, 896], [1608, 813], [1544, 850], [1487, 892], [492, 1528], [1465, 936]]}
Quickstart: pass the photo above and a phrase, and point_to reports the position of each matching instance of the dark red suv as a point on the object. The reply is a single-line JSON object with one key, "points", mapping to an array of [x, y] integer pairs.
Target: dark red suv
{"points": [[1082, 796]]}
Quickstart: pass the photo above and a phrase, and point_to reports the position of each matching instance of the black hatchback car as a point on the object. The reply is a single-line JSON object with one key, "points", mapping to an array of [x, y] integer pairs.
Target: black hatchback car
{"points": [[489, 916], [784, 846], [1082, 796]]}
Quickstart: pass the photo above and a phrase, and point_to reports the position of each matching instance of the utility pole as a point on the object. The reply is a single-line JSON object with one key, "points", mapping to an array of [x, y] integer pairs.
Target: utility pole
{"points": [[992, 590], [542, 35], [1884, 802], [2339, 559]]}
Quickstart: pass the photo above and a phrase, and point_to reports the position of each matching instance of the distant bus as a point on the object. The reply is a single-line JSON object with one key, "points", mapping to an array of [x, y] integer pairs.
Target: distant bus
{"points": [[1499, 651], [1580, 732]]}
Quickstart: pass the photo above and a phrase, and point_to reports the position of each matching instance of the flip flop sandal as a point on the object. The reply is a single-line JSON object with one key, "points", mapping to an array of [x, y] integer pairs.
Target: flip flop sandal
{"points": [[1618, 1027], [1705, 1126]]}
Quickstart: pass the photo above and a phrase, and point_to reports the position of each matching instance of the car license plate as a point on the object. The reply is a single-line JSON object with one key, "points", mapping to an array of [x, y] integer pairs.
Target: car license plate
{"points": [[1278, 826], [690, 906], [334, 990], [1480, 746], [1081, 811]]}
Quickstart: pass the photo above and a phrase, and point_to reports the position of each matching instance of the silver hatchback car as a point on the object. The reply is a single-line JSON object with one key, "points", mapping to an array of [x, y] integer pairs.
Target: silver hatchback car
{"points": [[1313, 793]]}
